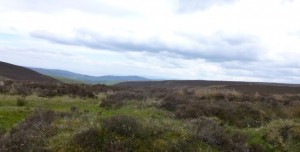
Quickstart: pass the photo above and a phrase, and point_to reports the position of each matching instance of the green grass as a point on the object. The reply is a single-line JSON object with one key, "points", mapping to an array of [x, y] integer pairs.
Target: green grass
{"points": [[90, 115], [10, 113], [150, 118], [9, 116]]}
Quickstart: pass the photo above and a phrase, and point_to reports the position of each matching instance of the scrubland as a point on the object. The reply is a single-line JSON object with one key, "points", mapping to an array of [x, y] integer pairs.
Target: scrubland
{"points": [[77, 117]]}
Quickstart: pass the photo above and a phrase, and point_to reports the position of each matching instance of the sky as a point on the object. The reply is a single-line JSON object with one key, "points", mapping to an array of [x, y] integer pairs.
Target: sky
{"points": [[239, 40]]}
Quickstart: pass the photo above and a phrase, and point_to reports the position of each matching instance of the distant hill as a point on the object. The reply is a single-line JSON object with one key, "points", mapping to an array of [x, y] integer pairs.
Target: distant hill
{"points": [[246, 87], [13, 72], [67, 76]]}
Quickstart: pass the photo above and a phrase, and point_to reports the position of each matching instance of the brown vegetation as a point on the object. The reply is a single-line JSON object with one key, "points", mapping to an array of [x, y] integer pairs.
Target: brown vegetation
{"points": [[226, 119], [30, 135], [54, 89], [19, 73]]}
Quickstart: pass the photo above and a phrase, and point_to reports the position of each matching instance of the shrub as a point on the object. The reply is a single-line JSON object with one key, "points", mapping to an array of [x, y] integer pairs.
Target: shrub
{"points": [[240, 114], [73, 109], [117, 133], [47, 93], [191, 110], [218, 94], [210, 131], [171, 102], [21, 101], [29, 135], [122, 125], [283, 136], [90, 140], [182, 145], [246, 115], [20, 89], [118, 99], [4, 89]]}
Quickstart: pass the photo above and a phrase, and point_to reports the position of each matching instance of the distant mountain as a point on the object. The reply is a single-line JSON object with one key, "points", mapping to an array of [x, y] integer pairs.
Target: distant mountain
{"points": [[13, 72], [67, 76]]}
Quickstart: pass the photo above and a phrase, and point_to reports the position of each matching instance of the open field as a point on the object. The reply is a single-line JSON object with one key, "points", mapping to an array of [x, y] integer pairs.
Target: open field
{"points": [[73, 117]]}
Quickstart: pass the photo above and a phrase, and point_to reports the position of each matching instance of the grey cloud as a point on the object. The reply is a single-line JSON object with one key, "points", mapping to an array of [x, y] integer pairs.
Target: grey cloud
{"points": [[223, 47], [52, 38], [186, 6], [265, 70], [97, 41], [218, 48]]}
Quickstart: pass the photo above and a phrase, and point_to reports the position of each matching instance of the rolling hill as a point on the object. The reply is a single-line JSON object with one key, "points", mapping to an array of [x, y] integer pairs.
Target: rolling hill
{"points": [[246, 87], [14, 72], [67, 76]]}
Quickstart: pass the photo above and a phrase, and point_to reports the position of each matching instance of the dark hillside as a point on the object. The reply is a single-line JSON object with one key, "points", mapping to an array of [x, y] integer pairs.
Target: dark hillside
{"points": [[19, 73], [246, 87]]}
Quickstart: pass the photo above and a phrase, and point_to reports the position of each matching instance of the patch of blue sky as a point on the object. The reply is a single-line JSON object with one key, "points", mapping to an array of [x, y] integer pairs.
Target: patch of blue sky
{"points": [[5, 36]]}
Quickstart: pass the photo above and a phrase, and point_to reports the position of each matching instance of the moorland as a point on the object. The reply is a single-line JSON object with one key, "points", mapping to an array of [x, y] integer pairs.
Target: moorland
{"points": [[43, 116]]}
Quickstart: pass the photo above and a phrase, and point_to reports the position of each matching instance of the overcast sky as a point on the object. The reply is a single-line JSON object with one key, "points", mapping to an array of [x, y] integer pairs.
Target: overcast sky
{"points": [[248, 40]]}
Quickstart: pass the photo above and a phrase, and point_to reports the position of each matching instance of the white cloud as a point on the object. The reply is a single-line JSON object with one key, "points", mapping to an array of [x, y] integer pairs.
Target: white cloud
{"points": [[218, 39], [196, 5]]}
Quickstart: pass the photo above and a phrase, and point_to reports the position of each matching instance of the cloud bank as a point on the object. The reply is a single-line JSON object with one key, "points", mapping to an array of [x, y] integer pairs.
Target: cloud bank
{"points": [[218, 47], [208, 39]]}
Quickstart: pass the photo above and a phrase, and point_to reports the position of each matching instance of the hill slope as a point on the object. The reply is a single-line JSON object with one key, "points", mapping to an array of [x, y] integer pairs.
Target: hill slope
{"points": [[246, 87], [71, 76], [14, 72]]}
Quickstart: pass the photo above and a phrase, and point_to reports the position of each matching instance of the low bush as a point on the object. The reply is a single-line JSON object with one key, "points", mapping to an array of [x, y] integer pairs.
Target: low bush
{"points": [[210, 131], [245, 115], [218, 94], [239, 114], [51, 89], [122, 125], [46, 93], [283, 136], [118, 133], [181, 145], [118, 99], [21, 101], [20, 89], [29, 135], [171, 102], [89, 140]]}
